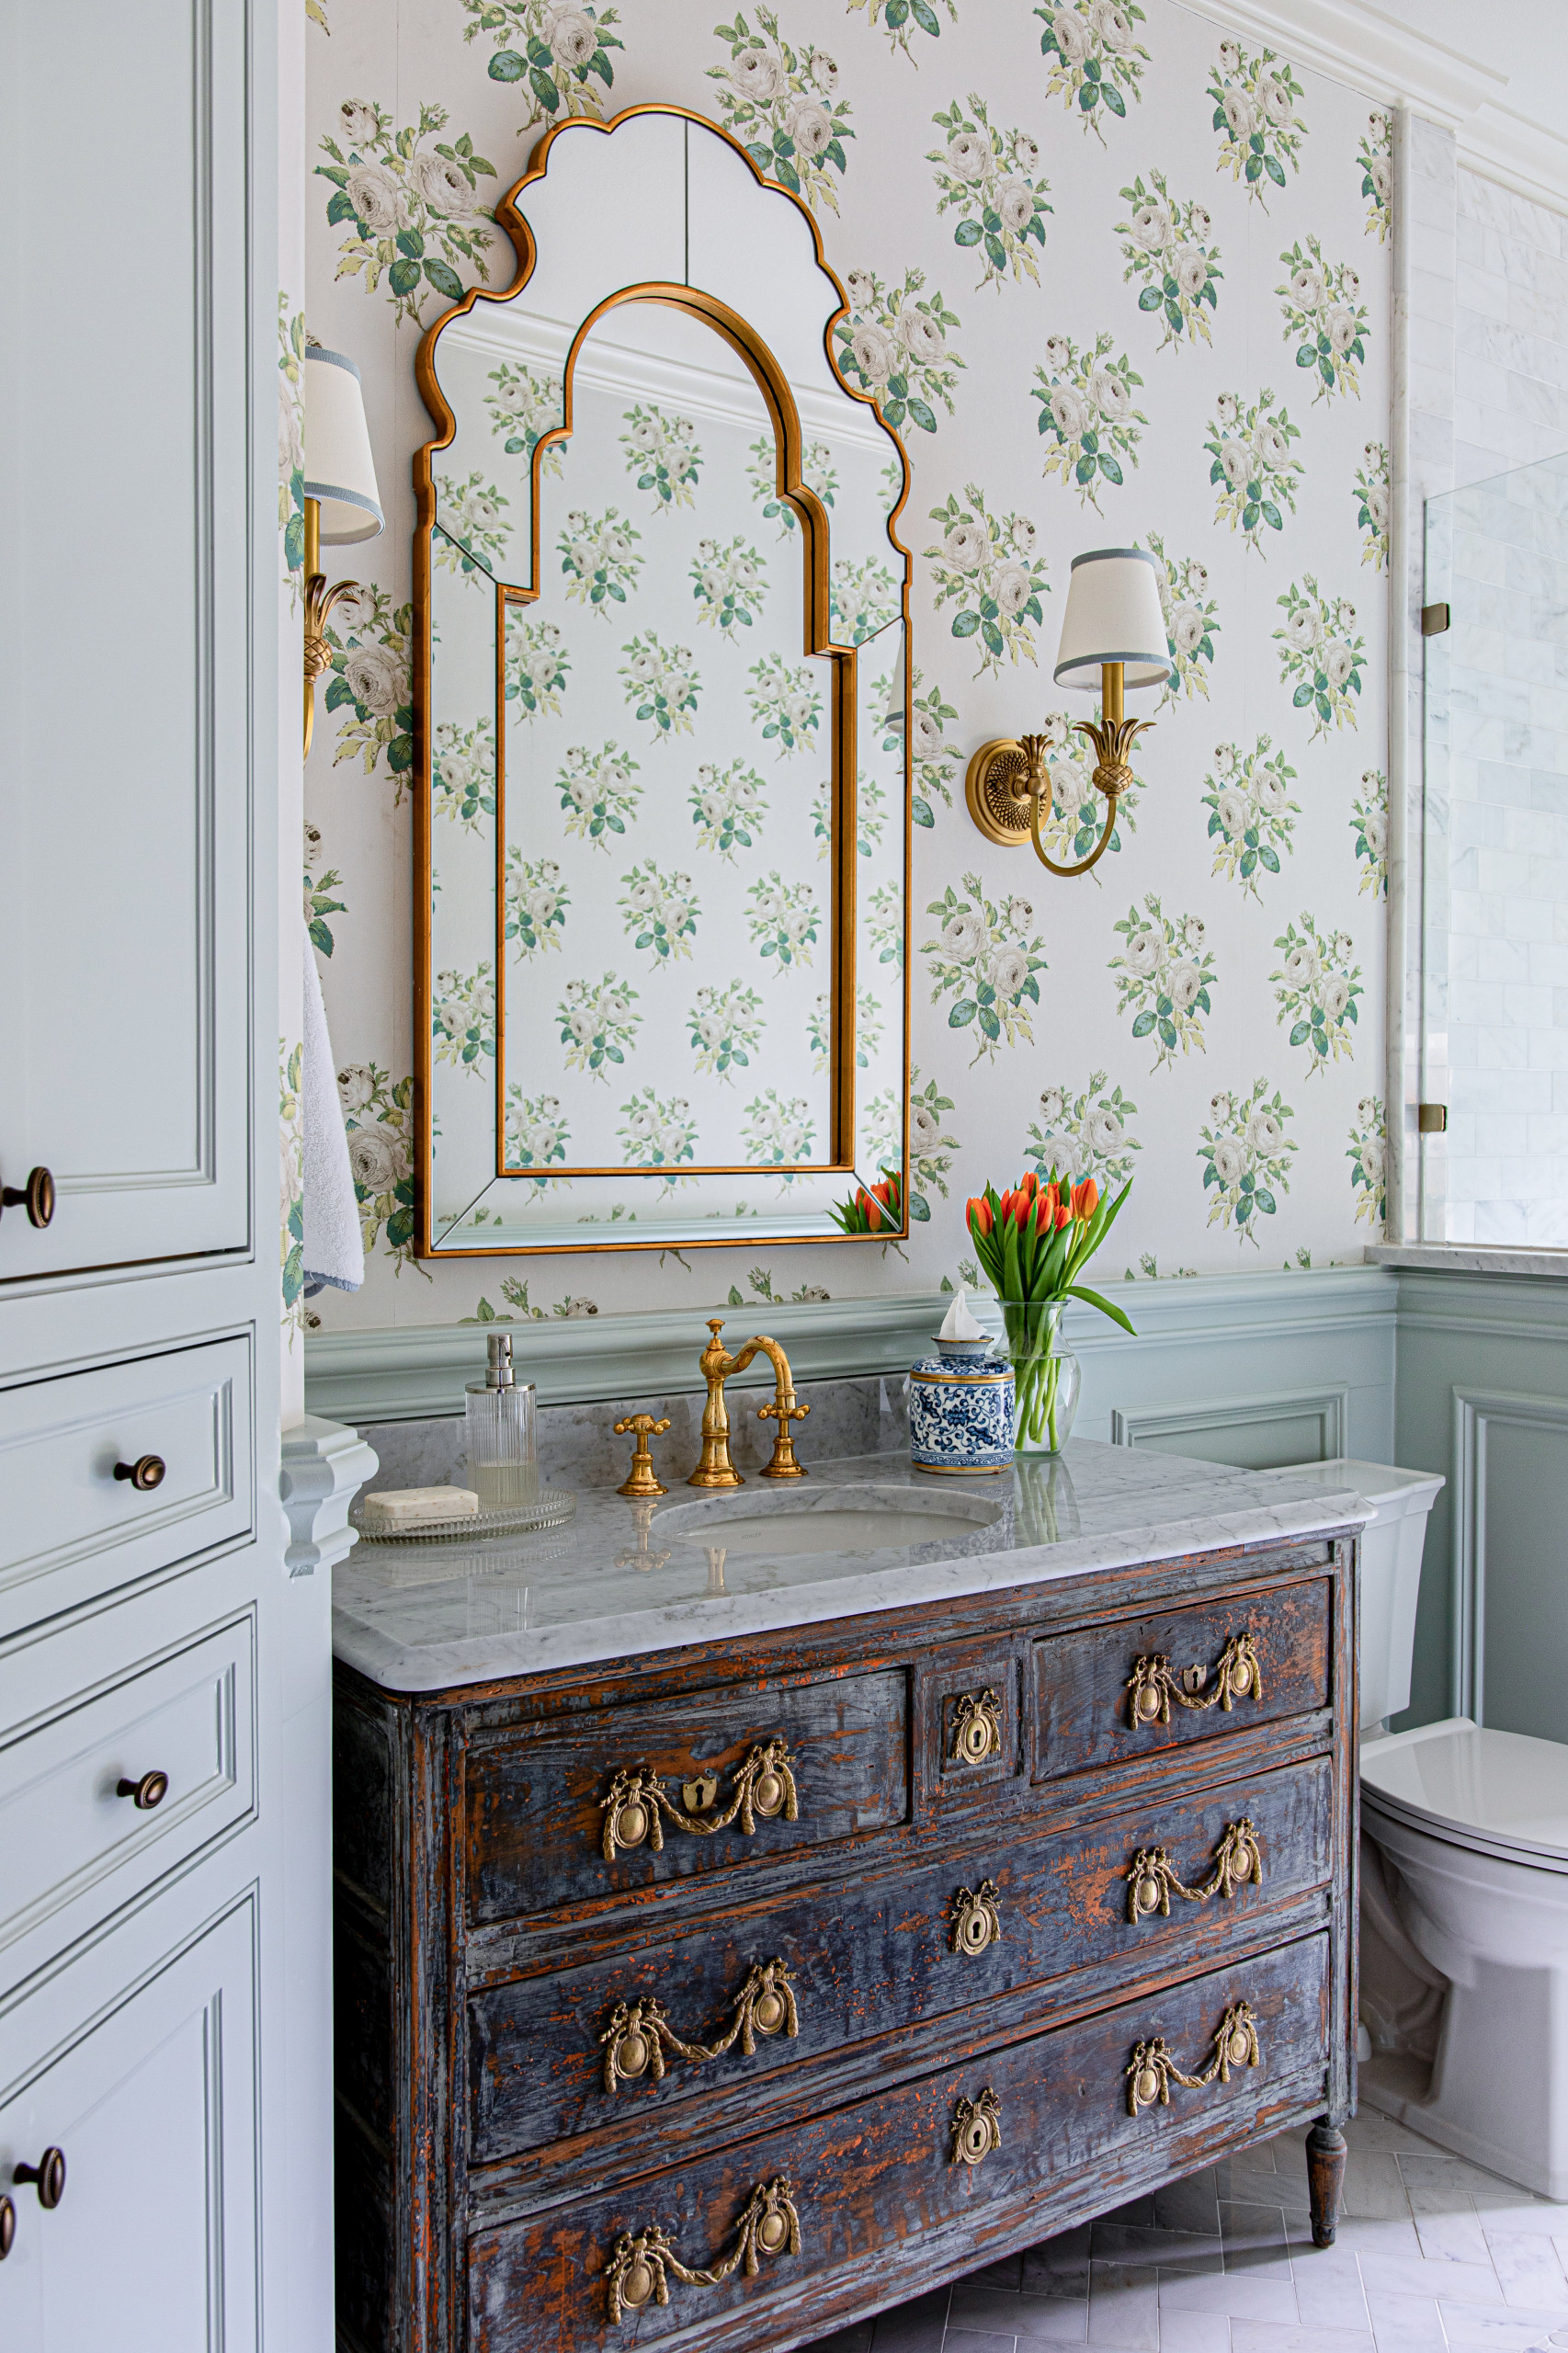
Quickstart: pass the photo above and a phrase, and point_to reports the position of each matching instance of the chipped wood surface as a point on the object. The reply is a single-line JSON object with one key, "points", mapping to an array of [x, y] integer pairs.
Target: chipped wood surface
{"points": [[484, 1942]]}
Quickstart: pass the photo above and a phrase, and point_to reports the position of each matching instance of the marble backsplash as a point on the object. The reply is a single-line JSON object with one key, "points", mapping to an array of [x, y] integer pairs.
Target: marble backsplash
{"points": [[578, 1446]]}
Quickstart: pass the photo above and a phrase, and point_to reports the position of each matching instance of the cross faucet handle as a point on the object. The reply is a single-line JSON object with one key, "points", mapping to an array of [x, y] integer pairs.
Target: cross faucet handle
{"points": [[783, 1410], [641, 1479], [781, 1464]]}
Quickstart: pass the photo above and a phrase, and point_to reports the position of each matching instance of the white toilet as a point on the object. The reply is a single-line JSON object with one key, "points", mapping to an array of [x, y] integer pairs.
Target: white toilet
{"points": [[1465, 1892]]}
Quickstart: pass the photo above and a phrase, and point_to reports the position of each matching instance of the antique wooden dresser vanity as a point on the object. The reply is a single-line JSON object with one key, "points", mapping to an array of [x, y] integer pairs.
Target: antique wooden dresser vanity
{"points": [[718, 1996]]}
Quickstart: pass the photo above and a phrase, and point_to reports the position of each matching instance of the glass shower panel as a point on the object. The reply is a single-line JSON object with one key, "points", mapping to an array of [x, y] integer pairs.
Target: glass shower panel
{"points": [[1494, 949]]}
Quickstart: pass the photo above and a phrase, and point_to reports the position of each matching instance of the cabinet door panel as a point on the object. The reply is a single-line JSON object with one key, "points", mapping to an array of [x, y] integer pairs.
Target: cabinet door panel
{"points": [[125, 616], [152, 2247]]}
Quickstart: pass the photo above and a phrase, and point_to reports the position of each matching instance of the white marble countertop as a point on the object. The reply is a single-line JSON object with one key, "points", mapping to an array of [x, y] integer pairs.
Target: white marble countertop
{"points": [[622, 1580]]}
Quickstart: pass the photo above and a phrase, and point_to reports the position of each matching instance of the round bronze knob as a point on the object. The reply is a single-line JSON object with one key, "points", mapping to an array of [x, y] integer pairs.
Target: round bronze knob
{"points": [[1148, 1895], [1146, 2084], [772, 2232], [149, 1791], [767, 1796], [146, 1473], [37, 1197], [50, 2176], [631, 1824], [7, 2227], [631, 2053], [768, 2015], [637, 2284]]}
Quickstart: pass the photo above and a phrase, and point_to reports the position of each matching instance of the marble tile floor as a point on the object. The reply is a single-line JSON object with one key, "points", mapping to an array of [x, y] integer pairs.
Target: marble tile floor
{"points": [[1433, 2255]]}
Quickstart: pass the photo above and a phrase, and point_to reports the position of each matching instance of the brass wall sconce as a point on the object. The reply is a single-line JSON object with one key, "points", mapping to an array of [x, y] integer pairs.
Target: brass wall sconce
{"points": [[342, 502], [1113, 624]]}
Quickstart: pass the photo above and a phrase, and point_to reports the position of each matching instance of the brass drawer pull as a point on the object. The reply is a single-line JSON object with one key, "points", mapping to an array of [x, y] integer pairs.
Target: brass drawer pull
{"points": [[637, 1806], [146, 1473], [7, 2227], [977, 1728], [640, 2033], [977, 1918], [1151, 1686], [1152, 1877], [49, 2174], [977, 2129], [639, 2268], [1151, 2071], [146, 1793], [37, 1197]]}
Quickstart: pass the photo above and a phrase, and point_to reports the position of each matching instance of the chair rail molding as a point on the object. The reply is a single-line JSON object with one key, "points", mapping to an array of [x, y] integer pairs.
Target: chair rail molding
{"points": [[412, 1371], [1476, 1412]]}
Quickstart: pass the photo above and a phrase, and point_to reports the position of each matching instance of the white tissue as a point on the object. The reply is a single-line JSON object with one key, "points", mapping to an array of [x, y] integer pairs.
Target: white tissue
{"points": [[958, 1324]]}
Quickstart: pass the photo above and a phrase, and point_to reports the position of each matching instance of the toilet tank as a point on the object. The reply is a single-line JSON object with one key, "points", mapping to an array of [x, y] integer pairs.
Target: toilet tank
{"points": [[1390, 1573]]}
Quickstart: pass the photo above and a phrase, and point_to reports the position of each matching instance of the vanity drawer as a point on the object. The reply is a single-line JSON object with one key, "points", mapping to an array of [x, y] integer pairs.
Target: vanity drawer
{"points": [[65, 1514], [1115, 1694], [865, 1960], [77, 1727], [869, 2177], [635, 1797]]}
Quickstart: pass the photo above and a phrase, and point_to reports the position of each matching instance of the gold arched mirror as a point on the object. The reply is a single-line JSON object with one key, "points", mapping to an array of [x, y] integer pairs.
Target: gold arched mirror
{"points": [[661, 687]]}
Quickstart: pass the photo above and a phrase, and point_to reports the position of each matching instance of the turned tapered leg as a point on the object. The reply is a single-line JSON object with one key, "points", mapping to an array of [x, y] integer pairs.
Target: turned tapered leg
{"points": [[1326, 2153]]}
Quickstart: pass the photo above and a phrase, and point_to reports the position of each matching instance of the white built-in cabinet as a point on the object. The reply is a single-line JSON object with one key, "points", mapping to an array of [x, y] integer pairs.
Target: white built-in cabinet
{"points": [[163, 1680]]}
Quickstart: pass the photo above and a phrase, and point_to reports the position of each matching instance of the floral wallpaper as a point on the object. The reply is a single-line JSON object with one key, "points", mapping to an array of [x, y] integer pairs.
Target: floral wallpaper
{"points": [[1116, 278]]}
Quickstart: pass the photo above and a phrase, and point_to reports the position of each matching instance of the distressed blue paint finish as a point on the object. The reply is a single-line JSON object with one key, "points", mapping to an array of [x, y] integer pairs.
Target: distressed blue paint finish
{"points": [[961, 1410]]}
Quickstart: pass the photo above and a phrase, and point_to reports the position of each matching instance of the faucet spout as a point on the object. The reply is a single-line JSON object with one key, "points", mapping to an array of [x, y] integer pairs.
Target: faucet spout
{"points": [[714, 1467]]}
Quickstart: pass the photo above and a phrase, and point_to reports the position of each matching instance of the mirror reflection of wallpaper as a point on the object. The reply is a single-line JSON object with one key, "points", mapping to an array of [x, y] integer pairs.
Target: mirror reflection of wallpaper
{"points": [[668, 883], [1253, 812]]}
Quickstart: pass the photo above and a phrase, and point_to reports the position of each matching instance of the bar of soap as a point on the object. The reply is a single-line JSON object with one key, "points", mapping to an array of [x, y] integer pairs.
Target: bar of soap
{"points": [[407, 1506]]}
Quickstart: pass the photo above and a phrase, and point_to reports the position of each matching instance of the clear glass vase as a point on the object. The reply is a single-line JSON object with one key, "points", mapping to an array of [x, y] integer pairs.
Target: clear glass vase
{"points": [[1046, 1375]]}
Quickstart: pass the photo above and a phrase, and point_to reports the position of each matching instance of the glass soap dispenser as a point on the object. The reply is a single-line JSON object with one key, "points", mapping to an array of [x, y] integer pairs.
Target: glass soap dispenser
{"points": [[502, 1440]]}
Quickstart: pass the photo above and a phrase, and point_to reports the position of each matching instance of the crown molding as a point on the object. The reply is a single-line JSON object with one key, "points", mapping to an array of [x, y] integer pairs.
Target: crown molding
{"points": [[1397, 65]]}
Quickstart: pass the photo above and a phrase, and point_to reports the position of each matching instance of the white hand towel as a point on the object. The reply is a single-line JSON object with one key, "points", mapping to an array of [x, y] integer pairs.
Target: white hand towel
{"points": [[333, 1249]]}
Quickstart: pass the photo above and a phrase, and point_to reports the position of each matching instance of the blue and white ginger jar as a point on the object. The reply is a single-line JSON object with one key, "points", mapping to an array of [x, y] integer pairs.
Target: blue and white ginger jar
{"points": [[960, 1408]]}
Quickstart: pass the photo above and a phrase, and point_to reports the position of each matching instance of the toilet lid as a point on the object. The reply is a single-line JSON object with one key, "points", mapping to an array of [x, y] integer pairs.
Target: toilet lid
{"points": [[1504, 1792]]}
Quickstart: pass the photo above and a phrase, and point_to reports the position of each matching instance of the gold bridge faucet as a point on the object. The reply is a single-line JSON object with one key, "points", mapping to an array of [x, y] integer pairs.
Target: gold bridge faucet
{"points": [[715, 1468]]}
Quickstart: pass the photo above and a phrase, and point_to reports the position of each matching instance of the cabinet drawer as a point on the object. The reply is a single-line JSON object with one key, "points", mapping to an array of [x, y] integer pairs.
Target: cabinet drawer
{"points": [[1116, 1693], [862, 2181], [864, 1959], [65, 1516], [634, 1796], [74, 1734]]}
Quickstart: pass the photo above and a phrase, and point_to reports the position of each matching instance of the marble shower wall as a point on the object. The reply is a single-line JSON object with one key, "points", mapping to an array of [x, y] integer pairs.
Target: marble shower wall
{"points": [[1187, 350]]}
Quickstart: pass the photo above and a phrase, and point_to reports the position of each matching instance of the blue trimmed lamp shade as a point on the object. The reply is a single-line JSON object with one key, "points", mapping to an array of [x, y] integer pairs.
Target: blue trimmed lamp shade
{"points": [[339, 470], [1113, 615]]}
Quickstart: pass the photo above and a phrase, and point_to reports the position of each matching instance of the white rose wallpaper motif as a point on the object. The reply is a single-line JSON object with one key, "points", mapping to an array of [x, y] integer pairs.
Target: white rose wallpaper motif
{"points": [[1115, 277]]}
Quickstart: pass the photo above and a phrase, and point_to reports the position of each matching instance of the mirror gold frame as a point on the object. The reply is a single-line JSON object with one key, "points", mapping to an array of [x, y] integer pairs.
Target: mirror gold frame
{"points": [[815, 535]]}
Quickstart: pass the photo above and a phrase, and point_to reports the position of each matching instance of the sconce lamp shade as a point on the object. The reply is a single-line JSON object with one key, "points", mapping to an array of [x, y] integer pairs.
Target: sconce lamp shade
{"points": [[1113, 615], [339, 470]]}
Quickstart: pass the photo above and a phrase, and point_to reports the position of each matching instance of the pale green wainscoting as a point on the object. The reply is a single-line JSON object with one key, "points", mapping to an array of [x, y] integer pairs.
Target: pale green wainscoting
{"points": [[1251, 1369], [1482, 1395]]}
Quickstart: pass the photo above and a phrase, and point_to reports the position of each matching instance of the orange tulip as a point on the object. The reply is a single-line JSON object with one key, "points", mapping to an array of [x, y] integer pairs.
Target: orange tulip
{"points": [[1086, 1197], [978, 1213], [1044, 1213], [1064, 1215], [1029, 1185]]}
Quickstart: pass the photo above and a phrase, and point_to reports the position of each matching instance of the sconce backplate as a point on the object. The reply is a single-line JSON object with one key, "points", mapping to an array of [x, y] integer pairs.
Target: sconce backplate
{"points": [[988, 789]]}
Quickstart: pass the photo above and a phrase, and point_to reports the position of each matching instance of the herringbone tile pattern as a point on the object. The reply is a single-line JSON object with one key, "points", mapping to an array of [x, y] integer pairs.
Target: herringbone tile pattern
{"points": [[1434, 2256]]}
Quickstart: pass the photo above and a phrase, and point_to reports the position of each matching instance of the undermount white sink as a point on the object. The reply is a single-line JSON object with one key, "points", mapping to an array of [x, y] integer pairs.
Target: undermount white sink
{"points": [[826, 1519]]}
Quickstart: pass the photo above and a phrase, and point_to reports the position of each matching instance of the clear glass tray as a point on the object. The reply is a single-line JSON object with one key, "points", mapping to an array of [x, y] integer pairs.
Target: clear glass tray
{"points": [[555, 1507]]}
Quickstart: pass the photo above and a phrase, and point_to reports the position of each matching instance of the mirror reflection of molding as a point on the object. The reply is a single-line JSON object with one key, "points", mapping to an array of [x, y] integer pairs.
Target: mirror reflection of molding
{"points": [[662, 687]]}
